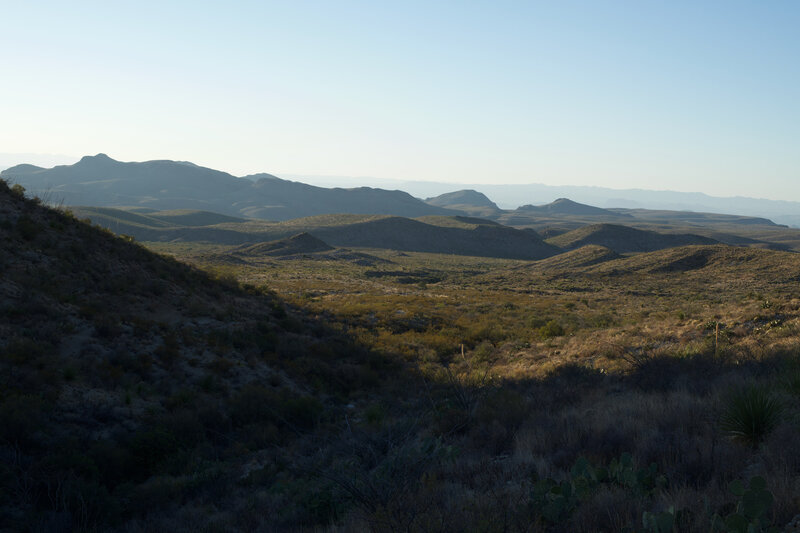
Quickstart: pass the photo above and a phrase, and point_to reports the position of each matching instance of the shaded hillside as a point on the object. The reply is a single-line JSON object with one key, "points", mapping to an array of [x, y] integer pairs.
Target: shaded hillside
{"points": [[117, 219], [302, 243], [131, 385], [624, 239], [102, 181], [448, 235], [192, 217], [144, 227], [412, 235]]}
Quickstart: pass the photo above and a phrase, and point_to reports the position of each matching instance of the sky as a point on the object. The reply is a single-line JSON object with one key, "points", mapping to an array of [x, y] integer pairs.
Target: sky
{"points": [[682, 95]]}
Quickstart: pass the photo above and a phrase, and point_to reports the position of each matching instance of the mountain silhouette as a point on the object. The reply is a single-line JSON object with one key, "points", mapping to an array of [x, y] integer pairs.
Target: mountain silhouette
{"points": [[167, 185]]}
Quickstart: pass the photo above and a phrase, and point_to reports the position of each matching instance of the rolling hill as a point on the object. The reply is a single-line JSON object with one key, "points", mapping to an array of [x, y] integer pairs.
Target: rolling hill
{"points": [[585, 256], [489, 240], [624, 239], [302, 243], [718, 261], [449, 235]]}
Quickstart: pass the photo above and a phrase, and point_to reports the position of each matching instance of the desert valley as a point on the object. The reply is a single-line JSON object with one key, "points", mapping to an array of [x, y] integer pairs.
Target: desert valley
{"points": [[177, 359]]}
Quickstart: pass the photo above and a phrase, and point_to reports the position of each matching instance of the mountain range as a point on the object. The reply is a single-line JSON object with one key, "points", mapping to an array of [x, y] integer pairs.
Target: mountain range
{"points": [[101, 181], [174, 200], [510, 196]]}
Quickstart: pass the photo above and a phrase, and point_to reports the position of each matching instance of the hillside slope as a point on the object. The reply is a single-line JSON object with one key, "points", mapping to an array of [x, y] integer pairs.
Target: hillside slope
{"points": [[624, 239], [131, 384], [714, 261], [580, 257]]}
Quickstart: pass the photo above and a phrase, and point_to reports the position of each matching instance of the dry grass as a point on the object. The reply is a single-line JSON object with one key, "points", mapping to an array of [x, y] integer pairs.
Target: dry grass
{"points": [[640, 368]]}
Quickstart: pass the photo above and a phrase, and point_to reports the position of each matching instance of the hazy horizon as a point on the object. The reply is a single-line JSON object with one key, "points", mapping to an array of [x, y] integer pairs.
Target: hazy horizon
{"points": [[418, 188]]}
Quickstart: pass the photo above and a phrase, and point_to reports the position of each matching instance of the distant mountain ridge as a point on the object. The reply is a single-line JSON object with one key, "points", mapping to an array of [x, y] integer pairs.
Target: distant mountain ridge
{"points": [[565, 206], [165, 185], [512, 195], [178, 185]]}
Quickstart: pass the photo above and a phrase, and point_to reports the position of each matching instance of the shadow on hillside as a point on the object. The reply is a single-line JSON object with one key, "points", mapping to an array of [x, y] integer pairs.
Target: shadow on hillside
{"points": [[469, 436]]}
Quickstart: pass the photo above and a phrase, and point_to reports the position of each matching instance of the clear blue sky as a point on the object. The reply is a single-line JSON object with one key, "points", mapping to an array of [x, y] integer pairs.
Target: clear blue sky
{"points": [[693, 96]]}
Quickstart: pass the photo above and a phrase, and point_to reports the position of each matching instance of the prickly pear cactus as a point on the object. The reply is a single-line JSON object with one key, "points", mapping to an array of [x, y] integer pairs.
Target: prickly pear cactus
{"points": [[751, 511]]}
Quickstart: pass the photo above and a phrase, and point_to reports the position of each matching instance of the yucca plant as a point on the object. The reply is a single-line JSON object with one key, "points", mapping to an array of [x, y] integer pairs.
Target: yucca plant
{"points": [[752, 412]]}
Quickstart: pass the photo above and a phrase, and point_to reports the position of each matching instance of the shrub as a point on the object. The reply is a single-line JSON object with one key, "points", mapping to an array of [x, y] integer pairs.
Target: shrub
{"points": [[18, 190], [791, 380], [28, 228], [752, 412], [375, 414], [550, 330], [259, 405], [149, 447], [21, 417], [169, 351]]}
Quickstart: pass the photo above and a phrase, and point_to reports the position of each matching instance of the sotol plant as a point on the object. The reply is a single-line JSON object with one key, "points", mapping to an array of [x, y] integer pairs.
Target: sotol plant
{"points": [[752, 412]]}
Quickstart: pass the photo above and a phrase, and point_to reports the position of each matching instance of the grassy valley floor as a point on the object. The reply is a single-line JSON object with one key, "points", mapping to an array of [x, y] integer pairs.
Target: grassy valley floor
{"points": [[535, 385]]}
